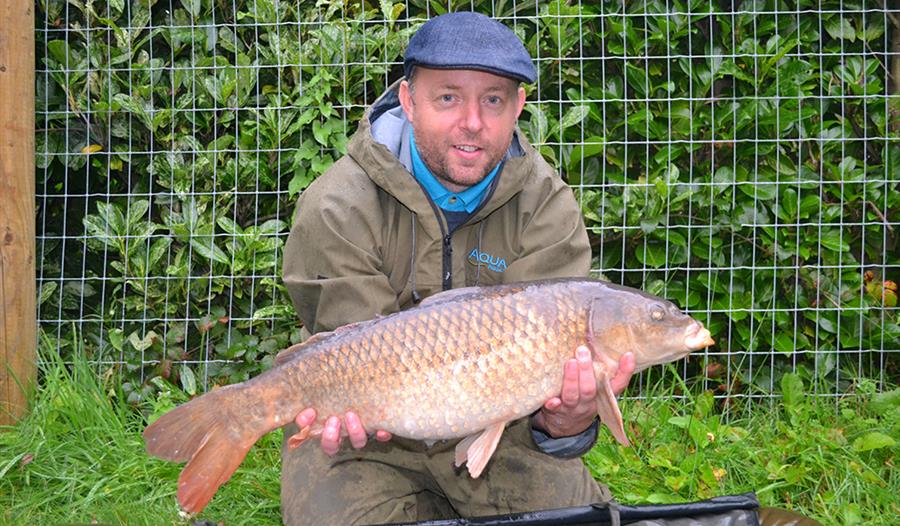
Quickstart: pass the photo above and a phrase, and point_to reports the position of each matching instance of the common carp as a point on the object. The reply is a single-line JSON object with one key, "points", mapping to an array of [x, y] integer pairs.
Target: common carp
{"points": [[438, 371]]}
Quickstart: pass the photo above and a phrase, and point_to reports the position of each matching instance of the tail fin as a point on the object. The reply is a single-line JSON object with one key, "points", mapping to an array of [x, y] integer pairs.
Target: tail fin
{"points": [[205, 433]]}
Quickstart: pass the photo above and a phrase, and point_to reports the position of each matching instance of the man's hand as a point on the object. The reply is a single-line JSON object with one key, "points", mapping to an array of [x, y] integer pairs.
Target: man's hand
{"points": [[576, 407], [332, 437]]}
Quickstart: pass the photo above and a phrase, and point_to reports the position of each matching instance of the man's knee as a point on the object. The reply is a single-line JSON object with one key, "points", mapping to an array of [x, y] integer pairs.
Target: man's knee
{"points": [[316, 489]]}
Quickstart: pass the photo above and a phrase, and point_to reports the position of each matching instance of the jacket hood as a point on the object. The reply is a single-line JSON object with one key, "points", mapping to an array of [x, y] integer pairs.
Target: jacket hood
{"points": [[380, 147]]}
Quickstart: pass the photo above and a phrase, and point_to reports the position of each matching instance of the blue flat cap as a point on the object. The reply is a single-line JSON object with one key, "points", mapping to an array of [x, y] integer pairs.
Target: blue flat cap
{"points": [[468, 40]]}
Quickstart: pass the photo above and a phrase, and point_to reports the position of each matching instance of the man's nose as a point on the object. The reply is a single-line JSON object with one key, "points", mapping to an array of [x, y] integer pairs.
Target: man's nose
{"points": [[471, 118]]}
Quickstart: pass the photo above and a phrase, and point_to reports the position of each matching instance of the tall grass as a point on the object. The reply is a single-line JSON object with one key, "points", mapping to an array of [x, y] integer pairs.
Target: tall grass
{"points": [[79, 458], [831, 459]]}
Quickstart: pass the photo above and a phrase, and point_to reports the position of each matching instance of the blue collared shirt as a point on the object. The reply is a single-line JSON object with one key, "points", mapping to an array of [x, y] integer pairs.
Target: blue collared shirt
{"points": [[465, 201]]}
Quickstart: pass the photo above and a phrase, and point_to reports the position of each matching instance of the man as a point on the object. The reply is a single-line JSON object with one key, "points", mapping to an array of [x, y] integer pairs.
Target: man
{"points": [[439, 190]]}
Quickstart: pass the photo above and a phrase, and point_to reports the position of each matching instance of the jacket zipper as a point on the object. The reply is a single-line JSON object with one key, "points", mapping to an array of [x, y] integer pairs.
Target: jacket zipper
{"points": [[447, 242], [448, 262]]}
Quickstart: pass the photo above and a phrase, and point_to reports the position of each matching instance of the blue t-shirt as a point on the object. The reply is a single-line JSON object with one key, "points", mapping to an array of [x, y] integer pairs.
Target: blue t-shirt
{"points": [[466, 201]]}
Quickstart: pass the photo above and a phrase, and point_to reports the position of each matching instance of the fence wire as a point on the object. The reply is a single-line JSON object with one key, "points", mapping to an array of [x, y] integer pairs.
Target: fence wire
{"points": [[739, 158]]}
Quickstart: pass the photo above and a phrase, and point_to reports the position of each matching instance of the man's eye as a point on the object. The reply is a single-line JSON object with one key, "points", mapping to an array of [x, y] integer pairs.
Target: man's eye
{"points": [[446, 98], [494, 100]]}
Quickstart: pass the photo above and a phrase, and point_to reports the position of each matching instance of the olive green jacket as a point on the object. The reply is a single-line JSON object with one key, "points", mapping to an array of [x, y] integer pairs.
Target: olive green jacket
{"points": [[368, 240]]}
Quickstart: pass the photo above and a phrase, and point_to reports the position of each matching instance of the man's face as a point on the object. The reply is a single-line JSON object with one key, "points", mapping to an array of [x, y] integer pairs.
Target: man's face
{"points": [[463, 121]]}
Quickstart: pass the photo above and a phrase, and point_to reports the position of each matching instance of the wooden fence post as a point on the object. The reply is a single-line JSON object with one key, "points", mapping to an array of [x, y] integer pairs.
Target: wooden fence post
{"points": [[17, 223]]}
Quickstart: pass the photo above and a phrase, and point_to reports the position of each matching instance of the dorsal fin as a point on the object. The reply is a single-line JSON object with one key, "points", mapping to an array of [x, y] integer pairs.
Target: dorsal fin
{"points": [[473, 292], [285, 354], [319, 337], [450, 295]]}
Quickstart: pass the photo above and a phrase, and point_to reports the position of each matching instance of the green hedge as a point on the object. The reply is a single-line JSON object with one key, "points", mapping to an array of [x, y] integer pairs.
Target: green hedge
{"points": [[743, 163]]}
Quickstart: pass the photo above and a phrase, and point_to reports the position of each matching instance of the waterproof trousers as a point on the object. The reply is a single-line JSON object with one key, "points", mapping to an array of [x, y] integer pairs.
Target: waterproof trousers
{"points": [[407, 481]]}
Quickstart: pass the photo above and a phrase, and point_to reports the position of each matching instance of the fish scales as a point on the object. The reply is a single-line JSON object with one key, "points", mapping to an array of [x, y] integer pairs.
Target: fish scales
{"points": [[428, 348], [462, 364]]}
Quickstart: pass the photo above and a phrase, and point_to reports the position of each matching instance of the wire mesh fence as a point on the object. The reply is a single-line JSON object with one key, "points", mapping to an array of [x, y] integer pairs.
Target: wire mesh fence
{"points": [[739, 158]]}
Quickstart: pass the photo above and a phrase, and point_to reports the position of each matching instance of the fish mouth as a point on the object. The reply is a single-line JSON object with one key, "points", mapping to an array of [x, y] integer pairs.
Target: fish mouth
{"points": [[697, 337]]}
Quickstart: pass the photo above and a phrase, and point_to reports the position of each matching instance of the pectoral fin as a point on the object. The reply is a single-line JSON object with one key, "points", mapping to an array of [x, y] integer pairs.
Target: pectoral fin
{"points": [[608, 409], [300, 437], [476, 450]]}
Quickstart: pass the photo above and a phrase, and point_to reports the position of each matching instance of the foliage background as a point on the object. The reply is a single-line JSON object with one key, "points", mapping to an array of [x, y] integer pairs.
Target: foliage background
{"points": [[740, 158]]}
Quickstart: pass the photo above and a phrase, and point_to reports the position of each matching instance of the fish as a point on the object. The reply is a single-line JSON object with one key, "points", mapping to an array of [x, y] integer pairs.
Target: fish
{"points": [[460, 365]]}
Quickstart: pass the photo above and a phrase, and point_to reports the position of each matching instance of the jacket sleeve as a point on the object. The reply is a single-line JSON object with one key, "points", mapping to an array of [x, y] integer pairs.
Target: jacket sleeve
{"points": [[332, 259]]}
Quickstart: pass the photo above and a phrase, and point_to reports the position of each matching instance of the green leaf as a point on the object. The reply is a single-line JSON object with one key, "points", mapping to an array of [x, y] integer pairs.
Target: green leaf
{"points": [[783, 343], [229, 226], [192, 7], [760, 190], [651, 254], [271, 227], [274, 311], [591, 147], [826, 324], [59, 50], [116, 338], [137, 211], [788, 205], [205, 246], [680, 421], [873, 440], [47, 290], [321, 132], [117, 6], [142, 344], [792, 389], [188, 380], [840, 27], [299, 181], [112, 215], [835, 240], [158, 250], [306, 151], [574, 115], [649, 224], [882, 403]]}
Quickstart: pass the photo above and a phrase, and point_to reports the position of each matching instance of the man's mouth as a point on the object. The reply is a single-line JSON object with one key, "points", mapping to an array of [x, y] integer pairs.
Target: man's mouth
{"points": [[468, 148]]}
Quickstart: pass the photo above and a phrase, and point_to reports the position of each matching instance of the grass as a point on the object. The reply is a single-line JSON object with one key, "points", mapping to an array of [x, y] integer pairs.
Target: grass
{"points": [[78, 457], [832, 460]]}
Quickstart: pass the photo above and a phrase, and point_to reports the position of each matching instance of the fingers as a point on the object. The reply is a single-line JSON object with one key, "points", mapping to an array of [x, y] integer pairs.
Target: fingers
{"points": [[579, 383], [331, 436], [553, 404], [587, 384], [331, 433], [355, 430], [626, 369], [570, 390], [306, 417]]}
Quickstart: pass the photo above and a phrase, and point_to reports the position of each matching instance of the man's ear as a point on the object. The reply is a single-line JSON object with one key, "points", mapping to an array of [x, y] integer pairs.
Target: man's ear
{"points": [[520, 104], [406, 100]]}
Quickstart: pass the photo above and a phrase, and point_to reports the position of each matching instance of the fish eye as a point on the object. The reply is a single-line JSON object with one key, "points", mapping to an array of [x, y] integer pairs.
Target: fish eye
{"points": [[657, 313]]}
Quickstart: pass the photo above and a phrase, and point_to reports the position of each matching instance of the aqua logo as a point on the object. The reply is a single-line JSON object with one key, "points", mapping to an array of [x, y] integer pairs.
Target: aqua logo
{"points": [[497, 264]]}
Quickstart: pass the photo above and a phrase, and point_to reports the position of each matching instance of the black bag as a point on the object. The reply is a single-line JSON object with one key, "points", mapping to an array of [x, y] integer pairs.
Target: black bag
{"points": [[732, 510]]}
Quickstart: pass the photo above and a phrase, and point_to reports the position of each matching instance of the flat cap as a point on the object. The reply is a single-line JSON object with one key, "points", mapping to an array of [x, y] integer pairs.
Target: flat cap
{"points": [[468, 40]]}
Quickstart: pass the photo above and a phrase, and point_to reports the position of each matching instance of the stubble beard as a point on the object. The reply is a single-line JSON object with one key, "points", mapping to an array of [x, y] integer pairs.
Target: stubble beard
{"points": [[437, 162]]}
